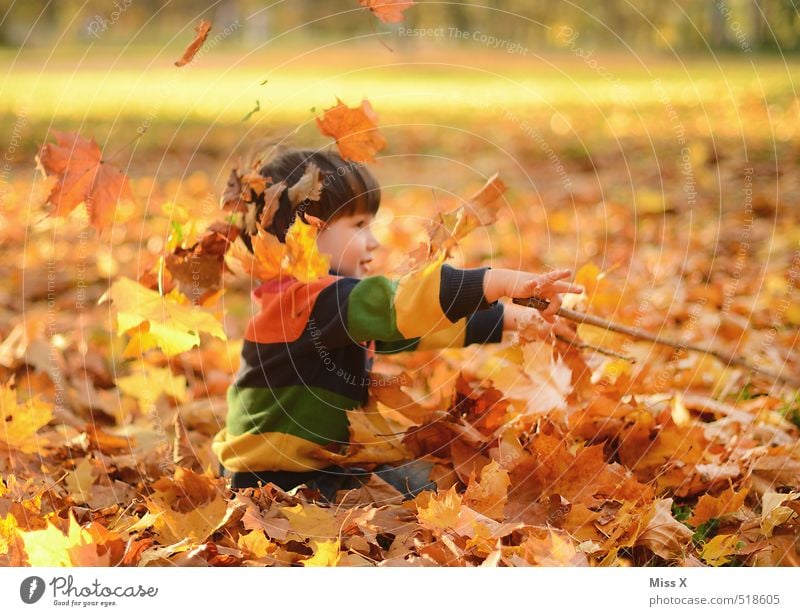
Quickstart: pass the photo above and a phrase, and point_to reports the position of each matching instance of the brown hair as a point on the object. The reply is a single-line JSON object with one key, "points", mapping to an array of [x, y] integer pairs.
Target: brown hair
{"points": [[348, 188]]}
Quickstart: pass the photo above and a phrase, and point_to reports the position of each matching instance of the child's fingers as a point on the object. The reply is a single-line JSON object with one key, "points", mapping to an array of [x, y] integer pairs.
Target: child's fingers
{"points": [[553, 308], [567, 287], [558, 274]]}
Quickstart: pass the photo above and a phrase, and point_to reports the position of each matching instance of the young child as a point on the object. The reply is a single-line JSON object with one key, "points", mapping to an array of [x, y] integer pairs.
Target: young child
{"points": [[307, 352]]}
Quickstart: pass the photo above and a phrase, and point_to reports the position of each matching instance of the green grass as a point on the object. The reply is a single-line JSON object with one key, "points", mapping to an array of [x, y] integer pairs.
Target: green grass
{"points": [[224, 84]]}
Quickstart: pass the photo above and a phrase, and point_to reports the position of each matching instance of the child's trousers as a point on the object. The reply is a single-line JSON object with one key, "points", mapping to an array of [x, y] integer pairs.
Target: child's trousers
{"points": [[409, 478]]}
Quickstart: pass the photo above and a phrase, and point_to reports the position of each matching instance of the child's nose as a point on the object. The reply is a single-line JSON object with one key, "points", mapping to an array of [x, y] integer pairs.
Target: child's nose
{"points": [[372, 242]]}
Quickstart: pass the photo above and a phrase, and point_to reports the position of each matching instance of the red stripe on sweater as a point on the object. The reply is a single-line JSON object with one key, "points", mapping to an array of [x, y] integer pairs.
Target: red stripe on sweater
{"points": [[286, 305]]}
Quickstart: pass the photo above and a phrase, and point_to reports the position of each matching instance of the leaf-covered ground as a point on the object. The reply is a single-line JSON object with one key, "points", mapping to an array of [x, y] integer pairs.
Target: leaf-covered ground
{"points": [[679, 219]]}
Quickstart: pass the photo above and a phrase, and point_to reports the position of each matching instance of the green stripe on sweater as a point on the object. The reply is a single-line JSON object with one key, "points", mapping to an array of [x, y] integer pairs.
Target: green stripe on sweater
{"points": [[370, 310], [312, 413]]}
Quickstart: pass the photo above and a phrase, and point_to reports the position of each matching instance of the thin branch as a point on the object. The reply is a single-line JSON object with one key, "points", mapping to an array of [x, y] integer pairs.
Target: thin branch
{"points": [[727, 358]]}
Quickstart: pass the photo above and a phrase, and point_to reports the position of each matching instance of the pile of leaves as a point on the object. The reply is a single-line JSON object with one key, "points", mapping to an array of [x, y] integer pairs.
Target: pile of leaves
{"points": [[114, 364]]}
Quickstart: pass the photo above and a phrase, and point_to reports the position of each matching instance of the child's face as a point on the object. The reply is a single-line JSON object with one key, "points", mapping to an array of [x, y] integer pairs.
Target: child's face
{"points": [[350, 242]]}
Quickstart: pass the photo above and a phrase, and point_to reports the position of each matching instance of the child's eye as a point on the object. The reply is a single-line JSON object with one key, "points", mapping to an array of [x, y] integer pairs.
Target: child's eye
{"points": [[361, 224]]}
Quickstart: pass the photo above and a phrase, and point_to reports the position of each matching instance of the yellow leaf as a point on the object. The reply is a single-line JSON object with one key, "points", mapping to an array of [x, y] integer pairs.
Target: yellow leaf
{"points": [[80, 481], [718, 551], [174, 326], [326, 554], [196, 525], [21, 422], [256, 543], [150, 382], [269, 254], [372, 439], [773, 513], [442, 512], [312, 521], [52, 548], [8, 527], [303, 258], [601, 294], [139, 343], [680, 415], [553, 550]]}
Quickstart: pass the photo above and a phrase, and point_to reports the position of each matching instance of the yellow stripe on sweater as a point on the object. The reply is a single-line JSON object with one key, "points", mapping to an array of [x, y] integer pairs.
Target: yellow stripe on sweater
{"points": [[269, 451], [450, 337], [417, 307]]}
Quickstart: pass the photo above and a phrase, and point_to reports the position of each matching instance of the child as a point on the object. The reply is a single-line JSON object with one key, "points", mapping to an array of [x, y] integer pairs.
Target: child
{"points": [[307, 353]]}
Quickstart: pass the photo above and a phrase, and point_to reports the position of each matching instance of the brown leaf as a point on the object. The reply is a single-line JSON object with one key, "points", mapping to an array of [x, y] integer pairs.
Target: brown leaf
{"points": [[202, 29], [388, 11]]}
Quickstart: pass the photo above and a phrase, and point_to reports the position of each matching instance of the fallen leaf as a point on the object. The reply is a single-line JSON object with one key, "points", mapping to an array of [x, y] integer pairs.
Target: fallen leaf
{"points": [[21, 422], [83, 177]]}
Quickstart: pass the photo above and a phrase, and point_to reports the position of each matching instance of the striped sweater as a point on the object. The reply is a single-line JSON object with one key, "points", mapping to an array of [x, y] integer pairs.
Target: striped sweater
{"points": [[307, 352]]}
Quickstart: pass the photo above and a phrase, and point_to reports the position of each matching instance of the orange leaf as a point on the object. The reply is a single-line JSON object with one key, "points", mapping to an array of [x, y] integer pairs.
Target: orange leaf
{"points": [[388, 11], [83, 177], [202, 29], [709, 506], [355, 130]]}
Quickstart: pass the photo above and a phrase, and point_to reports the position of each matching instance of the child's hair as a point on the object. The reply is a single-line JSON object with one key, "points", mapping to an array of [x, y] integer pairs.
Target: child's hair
{"points": [[348, 188]]}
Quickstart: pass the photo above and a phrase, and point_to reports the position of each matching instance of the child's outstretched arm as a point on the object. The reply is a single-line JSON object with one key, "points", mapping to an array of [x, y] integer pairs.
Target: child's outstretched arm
{"points": [[419, 304], [430, 304], [481, 327]]}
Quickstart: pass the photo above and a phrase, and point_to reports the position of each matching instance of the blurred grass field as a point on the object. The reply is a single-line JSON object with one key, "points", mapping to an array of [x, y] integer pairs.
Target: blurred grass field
{"points": [[111, 92]]}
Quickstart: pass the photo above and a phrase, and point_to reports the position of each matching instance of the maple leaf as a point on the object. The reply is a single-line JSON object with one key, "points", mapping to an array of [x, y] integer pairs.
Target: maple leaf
{"points": [[172, 526], [266, 260], [442, 511], [664, 535], [773, 511], [82, 177], [52, 548], [372, 439], [720, 550], [326, 554], [489, 495], [150, 382], [388, 11], [256, 543], [8, 533], [202, 29], [303, 260], [354, 129], [308, 186], [21, 422], [200, 266], [173, 327], [554, 549], [709, 506], [480, 210], [299, 256], [312, 521], [80, 481]]}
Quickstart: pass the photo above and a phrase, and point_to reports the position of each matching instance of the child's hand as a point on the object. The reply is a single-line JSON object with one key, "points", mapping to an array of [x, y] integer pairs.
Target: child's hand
{"points": [[513, 283]]}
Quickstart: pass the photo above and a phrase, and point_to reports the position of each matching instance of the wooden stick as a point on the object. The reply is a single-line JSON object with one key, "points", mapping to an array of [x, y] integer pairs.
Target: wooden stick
{"points": [[581, 317]]}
